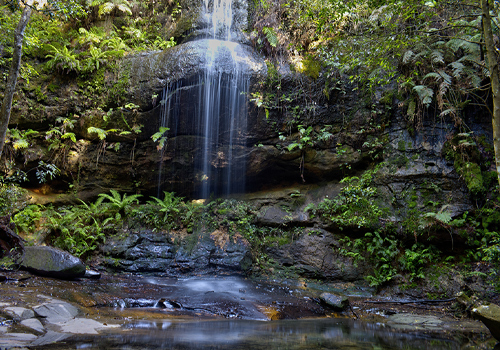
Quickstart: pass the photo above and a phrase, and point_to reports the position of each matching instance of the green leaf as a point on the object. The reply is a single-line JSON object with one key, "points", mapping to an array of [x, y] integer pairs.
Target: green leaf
{"points": [[100, 132], [69, 135]]}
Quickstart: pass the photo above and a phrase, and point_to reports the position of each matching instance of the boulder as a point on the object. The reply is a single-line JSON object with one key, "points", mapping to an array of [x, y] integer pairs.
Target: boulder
{"points": [[34, 324], [19, 313], [336, 302], [52, 262], [56, 311], [489, 314]]}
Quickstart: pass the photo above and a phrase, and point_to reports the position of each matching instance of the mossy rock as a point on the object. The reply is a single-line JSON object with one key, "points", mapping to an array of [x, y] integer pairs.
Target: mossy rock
{"points": [[471, 173], [310, 67]]}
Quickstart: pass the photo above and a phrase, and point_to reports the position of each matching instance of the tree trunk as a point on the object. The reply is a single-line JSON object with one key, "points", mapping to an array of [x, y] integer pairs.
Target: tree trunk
{"points": [[13, 73], [494, 79]]}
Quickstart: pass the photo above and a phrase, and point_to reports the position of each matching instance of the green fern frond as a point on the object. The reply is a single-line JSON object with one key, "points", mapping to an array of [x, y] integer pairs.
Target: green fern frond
{"points": [[437, 56], [433, 75], [424, 93], [100, 132], [446, 77], [407, 57], [458, 69]]}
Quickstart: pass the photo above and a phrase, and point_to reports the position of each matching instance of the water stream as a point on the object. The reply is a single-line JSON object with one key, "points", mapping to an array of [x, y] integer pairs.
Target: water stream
{"points": [[218, 120]]}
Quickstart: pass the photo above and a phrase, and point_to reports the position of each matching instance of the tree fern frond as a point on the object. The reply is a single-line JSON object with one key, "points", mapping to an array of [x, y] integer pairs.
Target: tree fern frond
{"points": [[439, 43], [446, 77], [448, 111], [407, 57], [458, 69], [424, 93], [476, 81], [124, 8], [437, 56], [106, 8], [433, 75]]}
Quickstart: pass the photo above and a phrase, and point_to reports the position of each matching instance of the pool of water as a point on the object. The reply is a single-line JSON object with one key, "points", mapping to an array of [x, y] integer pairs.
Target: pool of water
{"points": [[310, 334]]}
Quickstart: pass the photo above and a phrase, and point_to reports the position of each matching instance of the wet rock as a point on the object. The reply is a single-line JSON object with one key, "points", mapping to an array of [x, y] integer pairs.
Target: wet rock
{"points": [[34, 324], [83, 326], [489, 314], [19, 313], [315, 255], [336, 302], [49, 338], [414, 322], [52, 262], [56, 311], [151, 252], [16, 340], [94, 275]]}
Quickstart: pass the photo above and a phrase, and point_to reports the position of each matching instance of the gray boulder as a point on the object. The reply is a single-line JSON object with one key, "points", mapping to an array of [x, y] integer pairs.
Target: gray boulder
{"points": [[56, 311], [52, 262], [336, 302]]}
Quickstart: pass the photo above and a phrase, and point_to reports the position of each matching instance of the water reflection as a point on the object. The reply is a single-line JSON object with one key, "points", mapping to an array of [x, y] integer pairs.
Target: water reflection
{"points": [[255, 335]]}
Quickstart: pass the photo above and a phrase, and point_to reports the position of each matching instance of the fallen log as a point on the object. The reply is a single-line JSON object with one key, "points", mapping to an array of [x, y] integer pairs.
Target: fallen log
{"points": [[423, 301]]}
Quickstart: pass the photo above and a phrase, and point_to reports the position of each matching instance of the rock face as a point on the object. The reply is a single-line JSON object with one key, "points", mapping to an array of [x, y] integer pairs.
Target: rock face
{"points": [[315, 255], [52, 262], [489, 314], [149, 252]]}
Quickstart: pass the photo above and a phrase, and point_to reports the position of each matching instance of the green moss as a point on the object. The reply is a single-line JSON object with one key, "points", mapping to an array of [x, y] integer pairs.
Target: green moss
{"points": [[387, 98], [471, 173], [401, 146], [310, 67]]}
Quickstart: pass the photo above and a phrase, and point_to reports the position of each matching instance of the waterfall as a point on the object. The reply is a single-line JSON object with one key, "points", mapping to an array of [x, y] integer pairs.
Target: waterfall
{"points": [[219, 118]]}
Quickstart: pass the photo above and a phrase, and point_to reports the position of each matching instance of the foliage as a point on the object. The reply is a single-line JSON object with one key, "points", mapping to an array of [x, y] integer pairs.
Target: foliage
{"points": [[160, 137], [355, 205], [120, 203], [12, 197], [63, 60], [106, 7]]}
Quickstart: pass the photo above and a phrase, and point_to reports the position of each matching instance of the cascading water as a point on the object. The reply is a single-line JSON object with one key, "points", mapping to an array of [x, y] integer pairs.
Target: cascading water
{"points": [[218, 120]]}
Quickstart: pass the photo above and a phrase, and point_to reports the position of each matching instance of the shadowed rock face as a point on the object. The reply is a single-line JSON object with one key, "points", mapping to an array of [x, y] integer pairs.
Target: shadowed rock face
{"points": [[52, 262], [148, 252]]}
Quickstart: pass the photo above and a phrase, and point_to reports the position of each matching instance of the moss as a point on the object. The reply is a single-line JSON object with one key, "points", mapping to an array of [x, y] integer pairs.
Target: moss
{"points": [[387, 98], [401, 146], [310, 67], [471, 173]]}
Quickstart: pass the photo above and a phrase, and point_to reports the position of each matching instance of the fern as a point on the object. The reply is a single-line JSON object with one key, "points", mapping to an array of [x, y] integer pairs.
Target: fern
{"points": [[424, 93], [458, 69], [408, 56], [437, 56], [119, 202], [100, 132], [160, 137]]}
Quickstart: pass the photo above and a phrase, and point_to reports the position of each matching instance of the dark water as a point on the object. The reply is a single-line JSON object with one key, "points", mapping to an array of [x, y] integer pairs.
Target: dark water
{"points": [[258, 335]]}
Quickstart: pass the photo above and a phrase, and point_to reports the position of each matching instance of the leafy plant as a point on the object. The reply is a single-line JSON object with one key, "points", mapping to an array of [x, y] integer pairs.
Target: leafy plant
{"points": [[106, 7], [160, 137], [62, 60], [354, 206], [98, 58], [120, 203]]}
